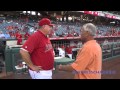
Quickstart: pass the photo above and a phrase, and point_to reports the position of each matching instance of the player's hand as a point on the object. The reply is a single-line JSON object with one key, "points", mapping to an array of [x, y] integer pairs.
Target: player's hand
{"points": [[36, 68], [60, 67]]}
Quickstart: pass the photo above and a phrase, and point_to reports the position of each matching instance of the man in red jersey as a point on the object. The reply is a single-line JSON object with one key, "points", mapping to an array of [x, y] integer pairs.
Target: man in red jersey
{"points": [[19, 38], [27, 35], [37, 52]]}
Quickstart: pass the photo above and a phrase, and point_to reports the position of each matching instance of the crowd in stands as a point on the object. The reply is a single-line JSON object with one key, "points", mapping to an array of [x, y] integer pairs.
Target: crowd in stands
{"points": [[8, 29], [20, 29], [74, 30]]}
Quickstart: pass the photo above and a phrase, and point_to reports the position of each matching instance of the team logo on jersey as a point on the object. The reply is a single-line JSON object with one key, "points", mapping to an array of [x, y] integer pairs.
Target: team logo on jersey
{"points": [[48, 47]]}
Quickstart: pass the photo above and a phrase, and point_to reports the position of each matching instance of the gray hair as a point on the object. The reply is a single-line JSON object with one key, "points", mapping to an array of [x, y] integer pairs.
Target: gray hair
{"points": [[90, 28]]}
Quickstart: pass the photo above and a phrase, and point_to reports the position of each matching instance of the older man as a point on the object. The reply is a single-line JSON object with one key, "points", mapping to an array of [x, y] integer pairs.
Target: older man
{"points": [[89, 58], [37, 52]]}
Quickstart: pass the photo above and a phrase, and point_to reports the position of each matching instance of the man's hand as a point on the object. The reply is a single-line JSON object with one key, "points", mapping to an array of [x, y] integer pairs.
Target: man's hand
{"points": [[67, 67], [60, 67], [36, 68]]}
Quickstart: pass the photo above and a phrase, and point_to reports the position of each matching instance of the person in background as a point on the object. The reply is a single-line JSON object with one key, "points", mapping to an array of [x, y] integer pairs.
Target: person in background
{"points": [[56, 51], [105, 42], [68, 51], [2, 35], [7, 35], [88, 64], [27, 35], [61, 51], [19, 38]]}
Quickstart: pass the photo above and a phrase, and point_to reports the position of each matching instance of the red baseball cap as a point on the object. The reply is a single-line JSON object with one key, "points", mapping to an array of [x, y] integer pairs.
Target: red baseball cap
{"points": [[45, 21]]}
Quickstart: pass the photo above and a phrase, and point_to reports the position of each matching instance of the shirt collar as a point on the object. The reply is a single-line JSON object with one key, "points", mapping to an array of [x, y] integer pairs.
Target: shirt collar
{"points": [[42, 33], [91, 41]]}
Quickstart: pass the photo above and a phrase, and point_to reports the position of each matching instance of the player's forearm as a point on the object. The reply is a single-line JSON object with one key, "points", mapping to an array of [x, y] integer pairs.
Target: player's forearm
{"points": [[26, 57]]}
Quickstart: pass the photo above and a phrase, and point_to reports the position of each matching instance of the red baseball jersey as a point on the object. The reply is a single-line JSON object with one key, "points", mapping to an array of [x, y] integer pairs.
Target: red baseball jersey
{"points": [[40, 49]]}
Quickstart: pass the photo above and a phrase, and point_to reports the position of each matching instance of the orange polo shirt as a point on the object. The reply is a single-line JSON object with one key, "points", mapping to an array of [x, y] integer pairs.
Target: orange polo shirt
{"points": [[88, 63]]}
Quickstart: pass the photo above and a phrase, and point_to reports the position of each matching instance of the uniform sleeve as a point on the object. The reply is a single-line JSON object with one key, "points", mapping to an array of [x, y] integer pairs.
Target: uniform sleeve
{"points": [[31, 44], [82, 60]]}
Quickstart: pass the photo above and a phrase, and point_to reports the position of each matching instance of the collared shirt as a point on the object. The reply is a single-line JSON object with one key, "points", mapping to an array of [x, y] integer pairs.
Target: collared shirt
{"points": [[40, 49], [89, 61]]}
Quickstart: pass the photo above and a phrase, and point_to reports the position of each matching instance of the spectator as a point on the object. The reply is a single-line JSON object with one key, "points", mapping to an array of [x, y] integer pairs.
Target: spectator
{"points": [[7, 35], [2, 35], [26, 36], [68, 50]]}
